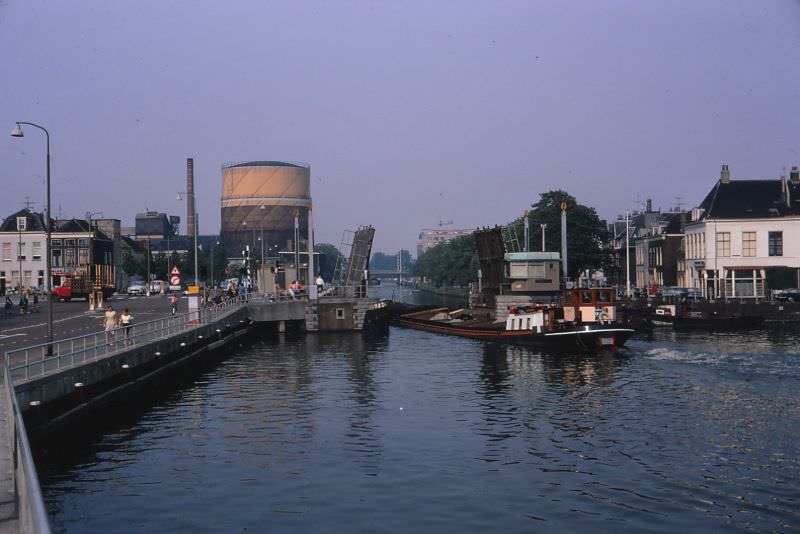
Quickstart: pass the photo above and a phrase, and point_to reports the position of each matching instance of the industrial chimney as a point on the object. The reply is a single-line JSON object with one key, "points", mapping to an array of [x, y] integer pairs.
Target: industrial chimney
{"points": [[725, 175], [190, 212]]}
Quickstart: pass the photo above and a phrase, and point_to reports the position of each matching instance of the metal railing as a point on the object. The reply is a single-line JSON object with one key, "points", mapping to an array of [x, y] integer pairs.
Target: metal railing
{"points": [[30, 505], [39, 360]]}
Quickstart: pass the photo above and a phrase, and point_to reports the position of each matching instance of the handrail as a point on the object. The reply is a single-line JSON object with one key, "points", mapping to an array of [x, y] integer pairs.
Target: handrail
{"points": [[30, 504], [32, 362]]}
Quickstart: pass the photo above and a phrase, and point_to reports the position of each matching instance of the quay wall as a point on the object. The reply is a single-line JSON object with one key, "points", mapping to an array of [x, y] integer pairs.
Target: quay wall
{"points": [[771, 311], [52, 387]]}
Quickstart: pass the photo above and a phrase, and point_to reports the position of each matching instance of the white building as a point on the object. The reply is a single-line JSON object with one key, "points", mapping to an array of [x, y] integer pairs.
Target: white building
{"points": [[22, 249], [744, 238], [430, 237]]}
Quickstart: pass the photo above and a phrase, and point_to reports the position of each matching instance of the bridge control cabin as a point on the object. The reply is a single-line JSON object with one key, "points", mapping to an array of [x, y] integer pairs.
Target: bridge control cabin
{"points": [[533, 272]]}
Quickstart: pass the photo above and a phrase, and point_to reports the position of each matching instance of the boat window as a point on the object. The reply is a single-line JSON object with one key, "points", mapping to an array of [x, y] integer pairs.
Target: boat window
{"points": [[568, 297], [604, 296], [586, 297]]}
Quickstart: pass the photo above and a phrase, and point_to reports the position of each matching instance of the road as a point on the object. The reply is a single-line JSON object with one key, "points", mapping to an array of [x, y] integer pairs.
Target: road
{"points": [[72, 319]]}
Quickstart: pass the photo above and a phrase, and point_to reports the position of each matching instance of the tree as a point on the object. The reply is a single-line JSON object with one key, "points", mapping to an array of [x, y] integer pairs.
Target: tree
{"points": [[588, 237], [328, 257], [454, 262]]}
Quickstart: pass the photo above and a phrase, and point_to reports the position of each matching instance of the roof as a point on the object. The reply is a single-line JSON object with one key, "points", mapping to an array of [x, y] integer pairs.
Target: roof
{"points": [[262, 163], [34, 223], [751, 199], [74, 226]]}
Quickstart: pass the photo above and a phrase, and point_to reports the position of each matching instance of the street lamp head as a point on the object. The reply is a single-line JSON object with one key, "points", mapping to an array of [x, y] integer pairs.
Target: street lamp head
{"points": [[178, 197], [17, 131]]}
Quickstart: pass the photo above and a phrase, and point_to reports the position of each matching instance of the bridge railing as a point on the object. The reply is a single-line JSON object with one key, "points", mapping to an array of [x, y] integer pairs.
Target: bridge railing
{"points": [[30, 504], [32, 362]]}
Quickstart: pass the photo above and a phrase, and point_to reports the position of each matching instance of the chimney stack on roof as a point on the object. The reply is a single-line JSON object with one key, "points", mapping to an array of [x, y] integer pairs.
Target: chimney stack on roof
{"points": [[725, 175], [794, 175]]}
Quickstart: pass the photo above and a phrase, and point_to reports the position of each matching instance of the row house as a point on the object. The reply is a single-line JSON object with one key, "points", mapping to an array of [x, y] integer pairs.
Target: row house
{"points": [[744, 237], [655, 240], [77, 246]]}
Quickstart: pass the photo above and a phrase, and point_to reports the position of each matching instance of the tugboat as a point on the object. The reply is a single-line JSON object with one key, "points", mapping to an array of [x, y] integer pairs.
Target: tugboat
{"points": [[586, 319]]}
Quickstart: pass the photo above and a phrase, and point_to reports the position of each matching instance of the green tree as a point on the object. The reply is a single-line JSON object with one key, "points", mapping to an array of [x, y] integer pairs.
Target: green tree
{"points": [[452, 263], [328, 256], [588, 236]]}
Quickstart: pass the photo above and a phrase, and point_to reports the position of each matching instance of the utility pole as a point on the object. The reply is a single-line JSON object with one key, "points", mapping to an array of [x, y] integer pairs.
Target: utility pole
{"points": [[564, 239], [627, 255]]}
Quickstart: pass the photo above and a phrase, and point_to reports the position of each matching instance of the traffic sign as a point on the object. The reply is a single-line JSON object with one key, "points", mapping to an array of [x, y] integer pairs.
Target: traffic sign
{"points": [[175, 271], [174, 280]]}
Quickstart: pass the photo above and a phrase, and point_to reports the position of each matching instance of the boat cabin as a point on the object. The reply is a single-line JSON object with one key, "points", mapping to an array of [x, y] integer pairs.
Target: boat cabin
{"points": [[589, 305]]}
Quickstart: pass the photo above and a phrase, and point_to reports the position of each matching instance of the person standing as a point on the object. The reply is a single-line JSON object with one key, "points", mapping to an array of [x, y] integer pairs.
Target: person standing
{"points": [[126, 321], [110, 324], [35, 302], [173, 303], [9, 305]]}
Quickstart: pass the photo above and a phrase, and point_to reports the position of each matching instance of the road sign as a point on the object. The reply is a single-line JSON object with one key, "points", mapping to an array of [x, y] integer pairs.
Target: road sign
{"points": [[175, 271], [174, 280]]}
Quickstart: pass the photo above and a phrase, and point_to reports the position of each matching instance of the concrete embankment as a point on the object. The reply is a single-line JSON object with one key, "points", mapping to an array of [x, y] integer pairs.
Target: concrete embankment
{"points": [[772, 311], [54, 400]]}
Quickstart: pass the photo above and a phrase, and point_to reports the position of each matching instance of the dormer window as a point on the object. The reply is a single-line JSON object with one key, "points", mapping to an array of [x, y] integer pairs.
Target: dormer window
{"points": [[22, 224]]}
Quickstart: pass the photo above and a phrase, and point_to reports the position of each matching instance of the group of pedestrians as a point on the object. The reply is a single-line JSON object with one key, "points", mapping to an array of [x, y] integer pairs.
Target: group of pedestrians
{"points": [[26, 300], [111, 323]]}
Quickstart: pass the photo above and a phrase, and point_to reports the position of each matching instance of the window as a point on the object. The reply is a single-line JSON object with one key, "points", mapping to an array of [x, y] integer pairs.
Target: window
{"points": [[56, 242], [22, 223], [776, 243], [69, 242], [57, 258], [748, 244], [83, 256], [69, 257], [40, 280], [7, 251], [723, 244], [37, 250], [83, 242], [27, 279], [339, 313], [20, 251]]}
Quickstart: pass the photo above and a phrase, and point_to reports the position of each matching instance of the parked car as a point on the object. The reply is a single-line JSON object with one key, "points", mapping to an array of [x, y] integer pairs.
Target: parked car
{"points": [[137, 288], [787, 295]]}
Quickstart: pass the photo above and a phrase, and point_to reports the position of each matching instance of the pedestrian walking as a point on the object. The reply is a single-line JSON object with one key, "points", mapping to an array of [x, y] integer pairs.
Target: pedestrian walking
{"points": [[126, 321], [35, 302], [9, 305], [23, 304], [110, 324], [173, 303]]}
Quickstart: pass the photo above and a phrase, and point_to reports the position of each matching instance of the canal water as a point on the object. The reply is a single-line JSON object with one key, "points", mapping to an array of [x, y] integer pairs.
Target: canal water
{"points": [[421, 432]]}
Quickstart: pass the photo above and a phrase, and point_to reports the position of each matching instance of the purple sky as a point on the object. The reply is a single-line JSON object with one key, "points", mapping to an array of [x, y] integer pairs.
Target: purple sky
{"points": [[408, 112]]}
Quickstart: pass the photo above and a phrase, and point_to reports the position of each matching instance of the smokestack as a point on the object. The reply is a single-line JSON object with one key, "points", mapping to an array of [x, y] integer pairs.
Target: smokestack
{"points": [[794, 175], [725, 175], [190, 222]]}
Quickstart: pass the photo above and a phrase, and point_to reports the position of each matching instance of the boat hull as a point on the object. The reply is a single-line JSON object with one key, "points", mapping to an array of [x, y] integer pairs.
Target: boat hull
{"points": [[586, 337]]}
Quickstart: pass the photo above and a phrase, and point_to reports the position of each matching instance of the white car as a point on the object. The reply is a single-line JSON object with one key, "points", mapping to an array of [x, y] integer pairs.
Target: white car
{"points": [[136, 289]]}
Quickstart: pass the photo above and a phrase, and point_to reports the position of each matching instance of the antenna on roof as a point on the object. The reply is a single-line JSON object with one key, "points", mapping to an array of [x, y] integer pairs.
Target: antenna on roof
{"points": [[678, 202], [29, 204]]}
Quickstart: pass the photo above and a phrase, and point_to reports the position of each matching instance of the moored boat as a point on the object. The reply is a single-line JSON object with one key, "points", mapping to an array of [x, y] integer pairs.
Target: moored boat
{"points": [[584, 320]]}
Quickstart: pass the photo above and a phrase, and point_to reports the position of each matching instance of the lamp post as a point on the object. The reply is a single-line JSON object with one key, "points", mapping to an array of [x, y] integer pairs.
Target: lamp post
{"points": [[178, 197], [17, 132], [263, 211], [544, 227], [627, 255]]}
